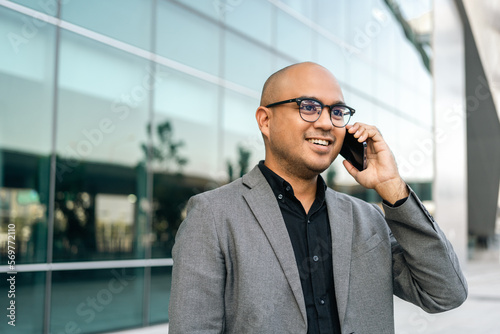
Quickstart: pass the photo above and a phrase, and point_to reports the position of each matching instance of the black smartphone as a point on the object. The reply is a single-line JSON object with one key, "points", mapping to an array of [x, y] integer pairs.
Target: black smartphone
{"points": [[354, 151]]}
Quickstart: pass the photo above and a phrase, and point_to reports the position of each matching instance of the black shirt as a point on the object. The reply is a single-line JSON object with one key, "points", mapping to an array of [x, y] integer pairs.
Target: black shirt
{"points": [[311, 239]]}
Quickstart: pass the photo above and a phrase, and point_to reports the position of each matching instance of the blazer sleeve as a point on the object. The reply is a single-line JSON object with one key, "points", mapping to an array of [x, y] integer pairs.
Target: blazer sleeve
{"points": [[198, 274], [426, 271]]}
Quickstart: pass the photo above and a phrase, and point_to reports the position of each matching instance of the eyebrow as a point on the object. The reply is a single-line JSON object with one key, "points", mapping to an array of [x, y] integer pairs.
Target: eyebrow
{"points": [[338, 102]]}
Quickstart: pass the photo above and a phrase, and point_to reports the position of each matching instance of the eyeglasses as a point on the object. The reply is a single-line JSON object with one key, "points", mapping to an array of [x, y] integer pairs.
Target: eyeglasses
{"points": [[310, 110]]}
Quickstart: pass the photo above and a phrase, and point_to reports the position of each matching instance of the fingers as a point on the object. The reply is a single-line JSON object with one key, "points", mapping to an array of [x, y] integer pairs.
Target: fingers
{"points": [[363, 131]]}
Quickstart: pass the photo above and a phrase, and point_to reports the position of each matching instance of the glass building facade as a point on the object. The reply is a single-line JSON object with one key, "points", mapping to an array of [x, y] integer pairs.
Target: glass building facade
{"points": [[113, 113]]}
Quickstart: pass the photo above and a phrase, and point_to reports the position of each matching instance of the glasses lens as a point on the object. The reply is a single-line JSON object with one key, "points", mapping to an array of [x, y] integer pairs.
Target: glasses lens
{"points": [[340, 115], [310, 110]]}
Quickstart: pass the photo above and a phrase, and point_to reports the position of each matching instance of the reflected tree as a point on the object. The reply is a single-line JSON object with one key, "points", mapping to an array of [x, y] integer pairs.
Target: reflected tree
{"points": [[74, 218], [171, 188], [165, 153], [243, 163]]}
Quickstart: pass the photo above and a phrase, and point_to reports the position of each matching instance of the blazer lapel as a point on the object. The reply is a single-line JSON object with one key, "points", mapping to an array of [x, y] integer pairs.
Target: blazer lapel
{"points": [[341, 224], [264, 206]]}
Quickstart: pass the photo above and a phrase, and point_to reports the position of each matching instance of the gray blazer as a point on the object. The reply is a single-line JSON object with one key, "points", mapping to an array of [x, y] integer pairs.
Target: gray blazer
{"points": [[235, 270]]}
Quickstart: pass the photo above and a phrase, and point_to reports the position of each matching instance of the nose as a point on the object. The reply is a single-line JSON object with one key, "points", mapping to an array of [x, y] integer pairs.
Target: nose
{"points": [[325, 120]]}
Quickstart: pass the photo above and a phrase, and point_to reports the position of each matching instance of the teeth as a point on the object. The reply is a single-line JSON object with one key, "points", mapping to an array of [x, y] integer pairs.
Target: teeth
{"points": [[319, 141]]}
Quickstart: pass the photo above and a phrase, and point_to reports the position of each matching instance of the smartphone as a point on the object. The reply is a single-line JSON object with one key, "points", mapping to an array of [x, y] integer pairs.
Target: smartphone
{"points": [[354, 151]]}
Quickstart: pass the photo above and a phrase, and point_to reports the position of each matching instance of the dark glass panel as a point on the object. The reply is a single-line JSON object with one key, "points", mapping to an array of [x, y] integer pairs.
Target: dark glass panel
{"points": [[89, 301]]}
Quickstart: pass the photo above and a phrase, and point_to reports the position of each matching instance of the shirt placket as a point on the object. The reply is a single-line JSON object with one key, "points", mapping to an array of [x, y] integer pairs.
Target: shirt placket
{"points": [[316, 271]]}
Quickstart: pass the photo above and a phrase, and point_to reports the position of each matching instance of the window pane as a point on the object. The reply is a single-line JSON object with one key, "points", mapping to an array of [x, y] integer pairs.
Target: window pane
{"points": [[161, 278], [386, 89], [252, 18], [130, 23], [89, 301], [294, 38], [46, 7], [101, 188], [246, 64], [171, 194], [414, 152], [215, 9], [189, 106], [187, 38], [26, 86], [185, 139], [24, 216], [29, 303], [331, 16], [361, 75], [386, 51], [332, 56], [243, 144], [301, 7], [26, 69]]}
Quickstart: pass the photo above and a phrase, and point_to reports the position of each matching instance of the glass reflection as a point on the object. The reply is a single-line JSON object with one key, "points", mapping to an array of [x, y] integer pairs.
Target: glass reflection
{"points": [[29, 298], [114, 221], [172, 187], [252, 18], [100, 213], [171, 193], [94, 226], [184, 36], [100, 166], [97, 18], [22, 222], [190, 106], [294, 38], [90, 301], [243, 145], [257, 63], [161, 278], [25, 132]]}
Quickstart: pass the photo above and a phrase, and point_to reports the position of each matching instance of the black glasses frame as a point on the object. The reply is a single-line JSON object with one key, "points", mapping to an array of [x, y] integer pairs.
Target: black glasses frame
{"points": [[330, 107]]}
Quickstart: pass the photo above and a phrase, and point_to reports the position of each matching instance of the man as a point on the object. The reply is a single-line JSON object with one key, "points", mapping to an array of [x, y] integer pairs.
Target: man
{"points": [[278, 252]]}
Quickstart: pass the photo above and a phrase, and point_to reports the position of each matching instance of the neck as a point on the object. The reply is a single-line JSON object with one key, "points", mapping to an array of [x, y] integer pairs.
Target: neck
{"points": [[304, 189]]}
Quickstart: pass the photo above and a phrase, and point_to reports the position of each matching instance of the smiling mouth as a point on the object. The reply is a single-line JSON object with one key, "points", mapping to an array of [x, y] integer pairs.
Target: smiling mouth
{"points": [[321, 142]]}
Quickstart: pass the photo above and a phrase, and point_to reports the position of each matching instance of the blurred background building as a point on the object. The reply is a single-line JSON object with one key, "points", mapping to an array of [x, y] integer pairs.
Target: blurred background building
{"points": [[113, 113]]}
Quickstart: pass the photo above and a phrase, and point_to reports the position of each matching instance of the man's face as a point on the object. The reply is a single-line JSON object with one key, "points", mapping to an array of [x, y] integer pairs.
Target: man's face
{"points": [[297, 147]]}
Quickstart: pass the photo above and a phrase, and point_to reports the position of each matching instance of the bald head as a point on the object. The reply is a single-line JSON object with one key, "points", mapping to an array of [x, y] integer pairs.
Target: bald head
{"points": [[276, 84], [288, 137]]}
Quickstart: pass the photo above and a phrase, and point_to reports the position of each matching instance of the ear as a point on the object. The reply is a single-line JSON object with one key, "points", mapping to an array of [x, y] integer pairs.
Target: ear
{"points": [[263, 116]]}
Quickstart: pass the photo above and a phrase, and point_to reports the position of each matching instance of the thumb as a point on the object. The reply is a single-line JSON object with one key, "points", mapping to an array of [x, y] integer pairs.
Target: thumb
{"points": [[351, 169]]}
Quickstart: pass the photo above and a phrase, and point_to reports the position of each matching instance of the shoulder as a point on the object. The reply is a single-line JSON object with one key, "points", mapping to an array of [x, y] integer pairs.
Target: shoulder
{"points": [[206, 212], [235, 190], [226, 193], [357, 204], [226, 205]]}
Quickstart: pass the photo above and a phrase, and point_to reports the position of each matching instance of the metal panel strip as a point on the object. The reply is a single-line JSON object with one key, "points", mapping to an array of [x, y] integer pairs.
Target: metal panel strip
{"points": [[139, 263]]}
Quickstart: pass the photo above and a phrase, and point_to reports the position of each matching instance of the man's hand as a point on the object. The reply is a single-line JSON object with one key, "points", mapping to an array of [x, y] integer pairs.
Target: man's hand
{"points": [[381, 172]]}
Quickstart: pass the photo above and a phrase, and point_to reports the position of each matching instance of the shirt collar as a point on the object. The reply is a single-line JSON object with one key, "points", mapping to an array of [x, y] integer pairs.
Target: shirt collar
{"points": [[281, 186]]}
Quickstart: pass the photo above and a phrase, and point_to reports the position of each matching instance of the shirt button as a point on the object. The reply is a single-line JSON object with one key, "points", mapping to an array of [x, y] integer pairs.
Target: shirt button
{"points": [[322, 301], [288, 188], [315, 258], [280, 196]]}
